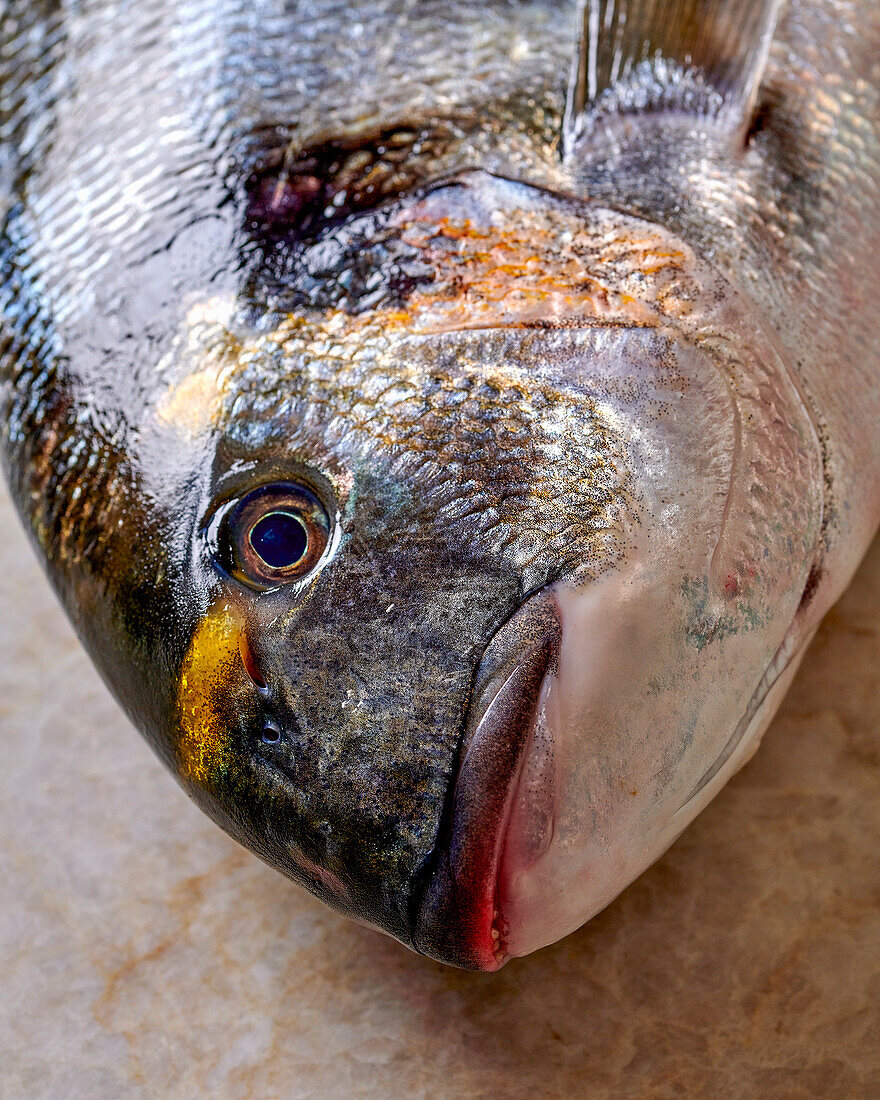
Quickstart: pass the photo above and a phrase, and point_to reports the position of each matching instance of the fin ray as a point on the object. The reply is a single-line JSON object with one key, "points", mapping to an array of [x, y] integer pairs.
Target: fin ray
{"points": [[701, 57]]}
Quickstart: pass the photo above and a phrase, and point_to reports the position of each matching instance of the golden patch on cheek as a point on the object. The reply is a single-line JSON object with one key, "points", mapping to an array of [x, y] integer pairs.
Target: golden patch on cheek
{"points": [[208, 680]]}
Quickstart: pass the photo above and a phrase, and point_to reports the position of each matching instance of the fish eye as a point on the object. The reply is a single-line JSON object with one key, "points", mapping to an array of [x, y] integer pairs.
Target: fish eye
{"points": [[274, 535]]}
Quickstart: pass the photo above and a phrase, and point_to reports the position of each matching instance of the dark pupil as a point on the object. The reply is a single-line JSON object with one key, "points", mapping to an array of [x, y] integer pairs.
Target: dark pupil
{"points": [[280, 539]]}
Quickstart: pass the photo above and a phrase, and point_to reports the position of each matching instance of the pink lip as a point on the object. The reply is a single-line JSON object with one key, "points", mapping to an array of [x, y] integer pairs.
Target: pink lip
{"points": [[460, 920]]}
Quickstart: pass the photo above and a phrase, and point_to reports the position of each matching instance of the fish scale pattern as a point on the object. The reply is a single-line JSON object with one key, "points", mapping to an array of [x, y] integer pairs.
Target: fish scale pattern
{"points": [[527, 475], [123, 222]]}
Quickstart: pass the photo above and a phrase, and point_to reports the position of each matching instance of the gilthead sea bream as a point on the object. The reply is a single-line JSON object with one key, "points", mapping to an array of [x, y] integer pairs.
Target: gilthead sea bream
{"points": [[446, 424]]}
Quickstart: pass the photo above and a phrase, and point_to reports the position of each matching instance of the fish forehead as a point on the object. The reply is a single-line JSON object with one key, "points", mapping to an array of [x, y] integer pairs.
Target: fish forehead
{"points": [[151, 115], [226, 80]]}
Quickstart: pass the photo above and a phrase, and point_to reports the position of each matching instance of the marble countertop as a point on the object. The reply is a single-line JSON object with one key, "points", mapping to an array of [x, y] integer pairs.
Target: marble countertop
{"points": [[142, 953]]}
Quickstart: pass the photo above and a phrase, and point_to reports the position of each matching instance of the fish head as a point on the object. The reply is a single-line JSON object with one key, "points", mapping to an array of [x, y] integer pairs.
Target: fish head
{"points": [[431, 493], [491, 572]]}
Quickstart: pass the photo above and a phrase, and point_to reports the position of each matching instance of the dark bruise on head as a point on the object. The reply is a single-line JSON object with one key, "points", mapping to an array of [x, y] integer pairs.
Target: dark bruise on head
{"points": [[296, 193], [297, 198]]}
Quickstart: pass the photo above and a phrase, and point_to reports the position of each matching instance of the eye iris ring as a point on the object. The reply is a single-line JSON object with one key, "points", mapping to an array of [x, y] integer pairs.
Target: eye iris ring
{"points": [[280, 539]]}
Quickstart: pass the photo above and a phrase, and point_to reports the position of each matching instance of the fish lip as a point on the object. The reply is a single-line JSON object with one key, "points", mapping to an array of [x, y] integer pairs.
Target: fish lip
{"points": [[458, 918]]}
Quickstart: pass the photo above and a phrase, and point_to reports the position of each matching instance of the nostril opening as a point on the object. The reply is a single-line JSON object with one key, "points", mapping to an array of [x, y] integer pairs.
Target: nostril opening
{"points": [[271, 733], [250, 666]]}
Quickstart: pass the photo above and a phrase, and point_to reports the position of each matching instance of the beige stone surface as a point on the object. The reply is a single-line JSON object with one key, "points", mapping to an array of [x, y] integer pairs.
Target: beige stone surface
{"points": [[142, 953]]}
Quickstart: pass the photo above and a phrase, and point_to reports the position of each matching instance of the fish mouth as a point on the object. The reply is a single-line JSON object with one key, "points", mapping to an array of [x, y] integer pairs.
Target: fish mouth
{"points": [[499, 812]]}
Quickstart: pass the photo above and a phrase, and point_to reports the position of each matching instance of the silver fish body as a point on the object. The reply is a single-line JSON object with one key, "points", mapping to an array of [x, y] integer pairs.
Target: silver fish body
{"points": [[446, 463]]}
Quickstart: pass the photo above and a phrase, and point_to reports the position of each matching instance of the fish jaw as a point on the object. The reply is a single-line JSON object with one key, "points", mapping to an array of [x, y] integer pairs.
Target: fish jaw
{"points": [[506, 739], [617, 803], [578, 769]]}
